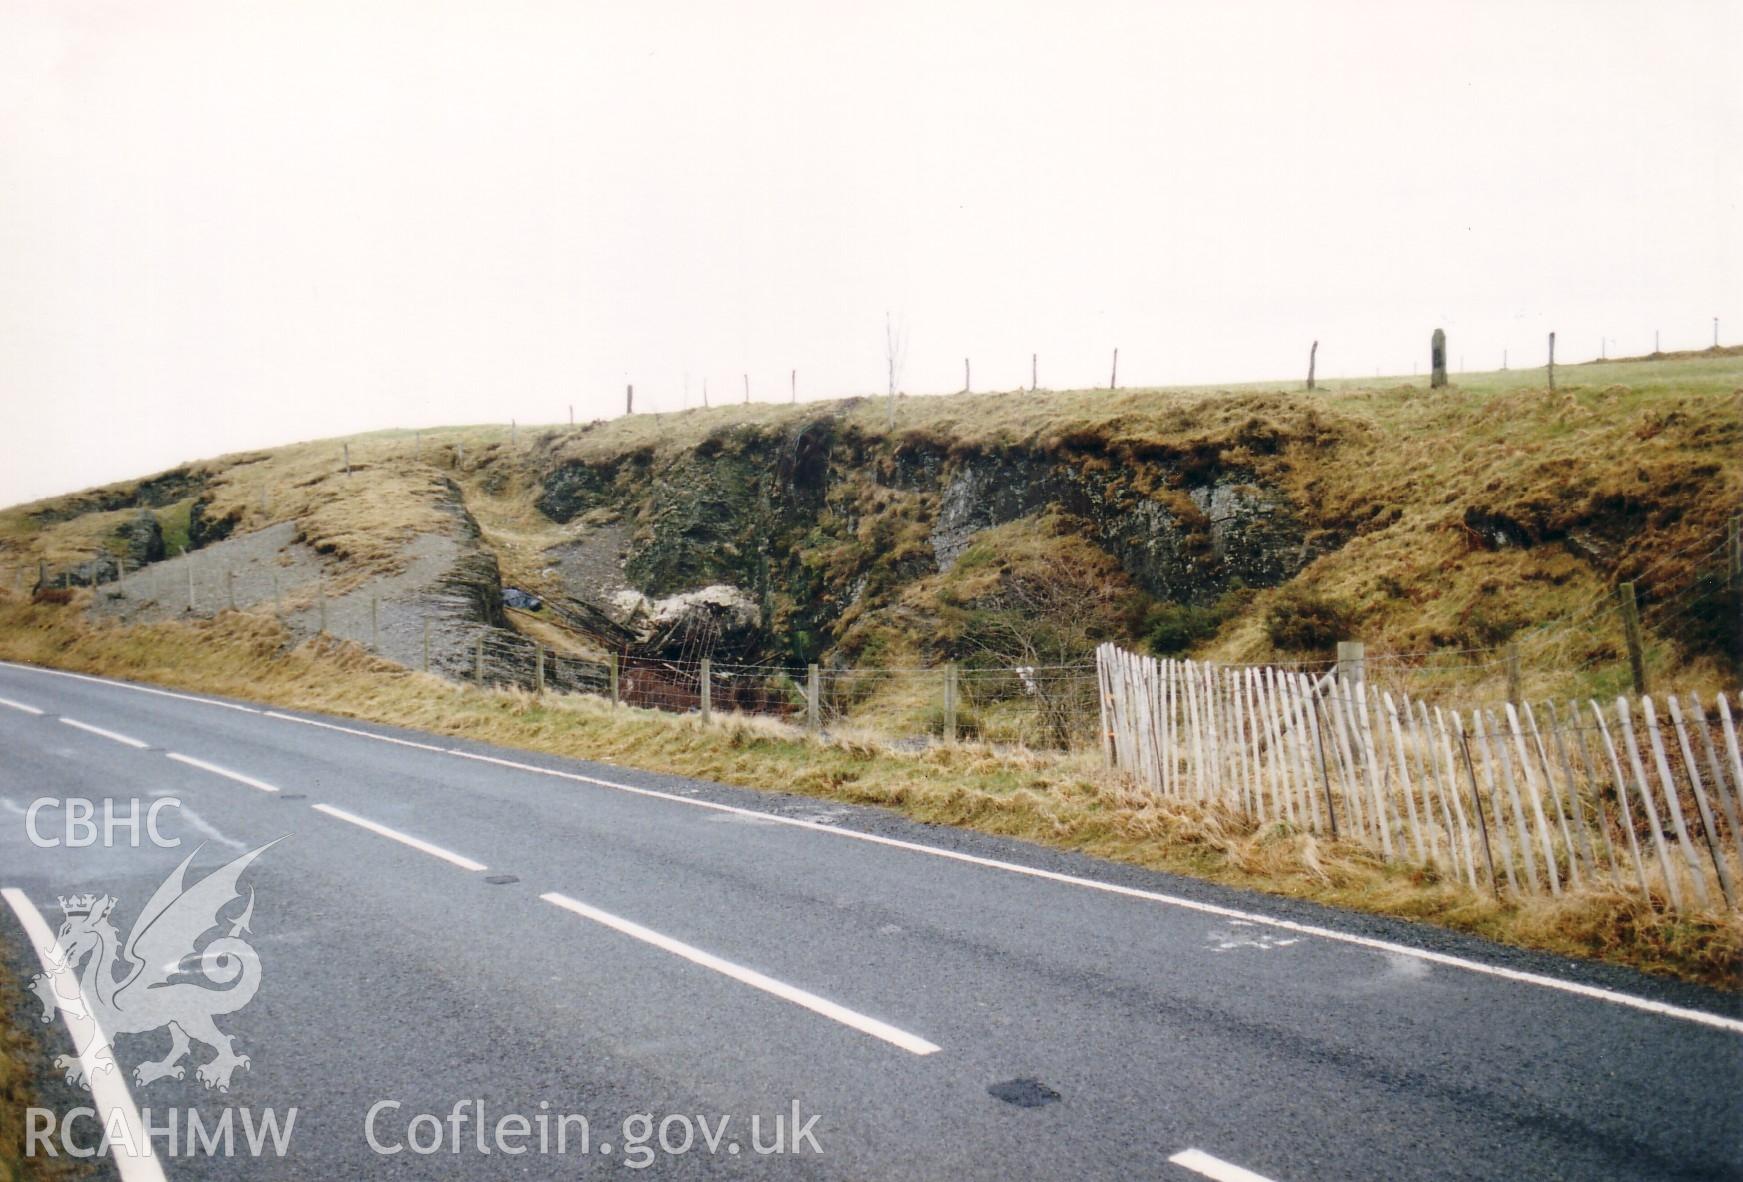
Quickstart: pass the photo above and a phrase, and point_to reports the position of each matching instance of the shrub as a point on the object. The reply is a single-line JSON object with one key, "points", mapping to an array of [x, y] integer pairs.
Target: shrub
{"points": [[1299, 620]]}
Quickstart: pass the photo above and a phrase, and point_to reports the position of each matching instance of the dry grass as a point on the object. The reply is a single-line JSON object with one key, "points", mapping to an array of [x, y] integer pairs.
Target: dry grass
{"points": [[21, 1057], [1065, 801]]}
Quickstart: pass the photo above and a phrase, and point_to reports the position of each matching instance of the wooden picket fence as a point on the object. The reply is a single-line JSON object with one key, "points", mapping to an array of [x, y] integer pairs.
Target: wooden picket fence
{"points": [[1512, 799]]}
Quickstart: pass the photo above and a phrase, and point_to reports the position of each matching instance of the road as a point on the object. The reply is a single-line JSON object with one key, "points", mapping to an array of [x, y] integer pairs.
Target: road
{"points": [[448, 923]]}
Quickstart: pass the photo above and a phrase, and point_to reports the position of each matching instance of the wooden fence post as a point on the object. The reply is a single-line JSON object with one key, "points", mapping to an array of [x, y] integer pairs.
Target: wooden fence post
{"points": [[1511, 656], [1034, 370], [813, 719], [1630, 607], [611, 675], [1114, 377], [1312, 361], [1352, 662], [188, 563], [967, 382], [950, 703], [707, 679], [1552, 361], [629, 400]]}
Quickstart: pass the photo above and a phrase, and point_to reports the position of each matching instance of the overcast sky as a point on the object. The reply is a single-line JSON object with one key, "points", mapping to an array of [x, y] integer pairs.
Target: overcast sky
{"points": [[226, 225]]}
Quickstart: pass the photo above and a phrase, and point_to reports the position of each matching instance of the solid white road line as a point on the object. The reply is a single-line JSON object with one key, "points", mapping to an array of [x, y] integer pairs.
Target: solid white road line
{"points": [[110, 735], [127, 685], [1597, 993], [347, 730], [404, 838], [1200, 1162], [221, 771], [1647, 1005], [109, 1093], [19, 706], [820, 1005]]}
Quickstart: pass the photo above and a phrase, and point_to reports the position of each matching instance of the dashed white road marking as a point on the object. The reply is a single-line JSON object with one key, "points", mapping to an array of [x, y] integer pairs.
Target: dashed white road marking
{"points": [[262, 785], [127, 685], [110, 735], [198, 822], [1538, 980], [417, 843], [820, 1005], [19, 706], [135, 1160], [1200, 1162]]}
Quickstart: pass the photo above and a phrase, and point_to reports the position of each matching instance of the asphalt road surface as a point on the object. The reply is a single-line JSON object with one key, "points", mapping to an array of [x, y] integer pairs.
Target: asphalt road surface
{"points": [[446, 925]]}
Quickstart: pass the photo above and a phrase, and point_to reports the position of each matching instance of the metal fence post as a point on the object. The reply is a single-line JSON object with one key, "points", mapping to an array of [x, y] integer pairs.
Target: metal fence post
{"points": [[813, 719], [707, 690]]}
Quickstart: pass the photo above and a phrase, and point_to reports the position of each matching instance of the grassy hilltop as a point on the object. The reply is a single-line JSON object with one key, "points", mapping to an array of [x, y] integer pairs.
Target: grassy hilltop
{"points": [[1440, 524]]}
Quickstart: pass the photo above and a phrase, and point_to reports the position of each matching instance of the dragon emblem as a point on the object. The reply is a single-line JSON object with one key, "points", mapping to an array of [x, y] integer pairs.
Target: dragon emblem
{"points": [[161, 976]]}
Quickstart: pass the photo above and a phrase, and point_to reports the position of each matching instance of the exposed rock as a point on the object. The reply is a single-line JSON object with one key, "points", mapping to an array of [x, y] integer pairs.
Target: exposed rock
{"points": [[203, 531], [143, 539]]}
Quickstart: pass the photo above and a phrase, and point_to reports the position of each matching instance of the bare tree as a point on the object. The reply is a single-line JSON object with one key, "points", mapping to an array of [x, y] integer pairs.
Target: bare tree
{"points": [[1036, 625]]}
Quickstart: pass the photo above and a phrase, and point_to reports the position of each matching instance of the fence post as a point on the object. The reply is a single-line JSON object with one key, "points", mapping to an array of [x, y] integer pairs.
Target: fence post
{"points": [[374, 623], [1511, 657], [539, 674], [121, 574], [611, 672], [426, 645], [478, 663], [1034, 371], [188, 562], [42, 573], [812, 720], [1735, 571], [1312, 361], [1552, 361], [1114, 377], [707, 690], [1437, 360], [1352, 661], [1631, 634], [347, 459], [950, 703]]}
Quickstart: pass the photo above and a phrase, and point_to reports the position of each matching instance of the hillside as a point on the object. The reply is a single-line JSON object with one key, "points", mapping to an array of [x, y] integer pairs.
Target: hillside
{"points": [[1244, 524]]}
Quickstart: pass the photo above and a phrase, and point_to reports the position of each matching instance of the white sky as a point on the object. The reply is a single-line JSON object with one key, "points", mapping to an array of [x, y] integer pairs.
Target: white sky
{"points": [[227, 224]]}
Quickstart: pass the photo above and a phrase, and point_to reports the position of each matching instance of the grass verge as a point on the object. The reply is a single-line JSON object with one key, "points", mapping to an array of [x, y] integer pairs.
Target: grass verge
{"points": [[1062, 800]]}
